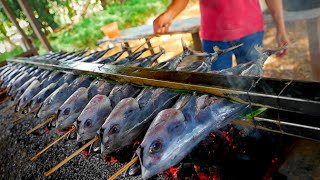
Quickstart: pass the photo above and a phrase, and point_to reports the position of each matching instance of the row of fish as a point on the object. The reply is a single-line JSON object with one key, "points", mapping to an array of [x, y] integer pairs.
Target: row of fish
{"points": [[174, 123]]}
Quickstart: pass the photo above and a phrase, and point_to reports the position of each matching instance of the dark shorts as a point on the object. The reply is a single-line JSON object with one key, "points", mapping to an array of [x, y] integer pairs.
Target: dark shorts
{"points": [[245, 53]]}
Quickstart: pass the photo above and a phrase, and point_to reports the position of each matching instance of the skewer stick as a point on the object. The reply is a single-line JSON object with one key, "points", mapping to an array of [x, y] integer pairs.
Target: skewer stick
{"points": [[52, 143], [41, 124], [48, 173], [9, 108], [3, 91], [32, 111], [6, 99], [125, 167], [19, 112]]}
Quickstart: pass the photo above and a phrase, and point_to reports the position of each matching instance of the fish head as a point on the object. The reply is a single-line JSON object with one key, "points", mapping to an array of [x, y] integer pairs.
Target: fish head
{"points": [[115, 128], [54, 101], [28, 95], [93, 88], [41, 96], [160, 148], [92, 117], [71, 108]]}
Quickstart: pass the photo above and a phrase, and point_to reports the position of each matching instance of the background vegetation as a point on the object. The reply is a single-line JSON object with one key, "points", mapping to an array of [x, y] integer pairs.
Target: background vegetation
{"points": [[75, 24]]}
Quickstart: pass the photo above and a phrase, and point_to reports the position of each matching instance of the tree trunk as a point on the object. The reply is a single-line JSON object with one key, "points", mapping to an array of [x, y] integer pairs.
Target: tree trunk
{"points": [[84, 10]]}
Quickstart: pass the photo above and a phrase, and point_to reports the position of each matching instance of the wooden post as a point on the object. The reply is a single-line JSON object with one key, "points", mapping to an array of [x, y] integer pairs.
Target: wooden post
{"points": [[16, 24], [34, 24], [149, 45], [314, 46], [197, 45], [126, 44]]}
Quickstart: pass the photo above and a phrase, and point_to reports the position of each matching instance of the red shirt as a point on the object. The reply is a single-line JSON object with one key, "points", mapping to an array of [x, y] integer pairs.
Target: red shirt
{"points": [[226, 20]]}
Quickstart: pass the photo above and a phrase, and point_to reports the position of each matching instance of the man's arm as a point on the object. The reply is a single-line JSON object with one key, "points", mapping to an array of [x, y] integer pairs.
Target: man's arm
{"points": [[162, 23], [276, 10]]}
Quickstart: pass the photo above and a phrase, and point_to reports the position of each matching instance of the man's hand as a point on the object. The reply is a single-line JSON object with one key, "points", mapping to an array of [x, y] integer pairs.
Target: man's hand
{"points": [[162, 23], [283, 40], [276, 10]]}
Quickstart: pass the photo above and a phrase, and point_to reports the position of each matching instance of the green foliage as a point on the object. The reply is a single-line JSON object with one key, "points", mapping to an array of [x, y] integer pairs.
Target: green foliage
{"points": [[4, 56], [128, 14]]}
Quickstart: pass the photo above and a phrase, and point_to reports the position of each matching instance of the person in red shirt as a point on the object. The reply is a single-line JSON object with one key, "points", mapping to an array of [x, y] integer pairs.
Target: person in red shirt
{"points": [[226, 23]]}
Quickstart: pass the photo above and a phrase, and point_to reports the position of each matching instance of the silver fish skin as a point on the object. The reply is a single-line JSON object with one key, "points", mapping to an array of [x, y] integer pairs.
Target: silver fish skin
{"points": [[6, 73], [5, 68], [120, 92], [67, 78], [6, 84], [147, 61], [130, 58], [23, 81], [54, 101], [23, 77], [71, 108], [175, 132], [37, 100], [11, 75], [30, 92], [174, 62], [132, 116], [20, 90], [53, 77], [92, 117]]}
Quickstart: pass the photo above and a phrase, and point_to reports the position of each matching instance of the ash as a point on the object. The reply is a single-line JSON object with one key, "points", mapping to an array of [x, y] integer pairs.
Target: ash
{"points": [[17, 148], [229, 153]]}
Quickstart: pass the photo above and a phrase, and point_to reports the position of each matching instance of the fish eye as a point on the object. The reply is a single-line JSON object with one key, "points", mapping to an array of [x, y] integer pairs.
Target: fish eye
{"points": [[88, 123], [24, 98], [155, 147], [39, 100], [114, 129], [66, 111]]}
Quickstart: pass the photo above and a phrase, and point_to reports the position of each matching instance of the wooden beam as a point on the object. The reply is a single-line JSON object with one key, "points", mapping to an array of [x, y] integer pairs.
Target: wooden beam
{"points": [[13, 19], [35, 24], [197, 45], [314, 46], [283, 94]]}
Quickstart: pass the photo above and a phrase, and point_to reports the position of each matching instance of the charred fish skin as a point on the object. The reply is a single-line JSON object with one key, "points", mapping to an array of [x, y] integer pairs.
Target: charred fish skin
{"points": [[175, 132], [92, 117], [71, 108], [132, 116]]}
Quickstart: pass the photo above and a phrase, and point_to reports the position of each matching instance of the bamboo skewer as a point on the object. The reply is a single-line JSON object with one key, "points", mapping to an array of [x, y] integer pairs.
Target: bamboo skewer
{"points": [[52, 143], [3, 91], [32, 111], [125, 167], [19, 112], [48, 173], [9, 108], [5, 100], [41, 124]]}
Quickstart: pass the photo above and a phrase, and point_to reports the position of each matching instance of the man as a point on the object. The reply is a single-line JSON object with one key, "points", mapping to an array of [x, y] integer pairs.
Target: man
{"points": [[226, 23]]}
